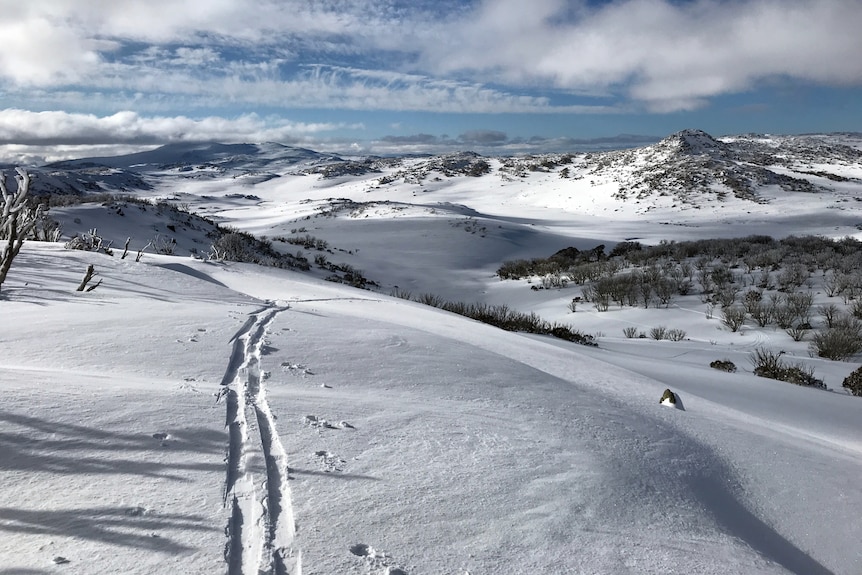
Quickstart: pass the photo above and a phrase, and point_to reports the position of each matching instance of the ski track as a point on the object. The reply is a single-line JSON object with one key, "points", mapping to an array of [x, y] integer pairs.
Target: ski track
{"points": [[260, 529]]}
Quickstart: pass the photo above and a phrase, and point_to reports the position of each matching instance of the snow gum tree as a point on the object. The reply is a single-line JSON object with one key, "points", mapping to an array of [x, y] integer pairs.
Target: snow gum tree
{"points": [[17, 220]]}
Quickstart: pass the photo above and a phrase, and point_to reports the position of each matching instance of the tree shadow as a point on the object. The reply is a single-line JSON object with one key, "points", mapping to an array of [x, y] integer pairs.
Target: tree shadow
{"points": [[32, 444], [742, 523], [113, 525], [39, 448]]}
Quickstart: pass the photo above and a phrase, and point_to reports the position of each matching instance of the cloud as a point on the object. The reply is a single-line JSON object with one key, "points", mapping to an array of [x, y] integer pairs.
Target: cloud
{"points": [[145, 87], [25, 127], [666, 55], [452, 56], [486, 137], [413, 139]]}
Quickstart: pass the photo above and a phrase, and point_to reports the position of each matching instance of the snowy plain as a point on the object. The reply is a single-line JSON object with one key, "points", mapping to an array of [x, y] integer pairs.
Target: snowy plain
{"points": [[194, 416]]}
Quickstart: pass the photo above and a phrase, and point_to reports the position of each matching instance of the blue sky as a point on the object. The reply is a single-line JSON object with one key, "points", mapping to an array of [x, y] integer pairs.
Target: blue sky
{"points": [[82, 77]]}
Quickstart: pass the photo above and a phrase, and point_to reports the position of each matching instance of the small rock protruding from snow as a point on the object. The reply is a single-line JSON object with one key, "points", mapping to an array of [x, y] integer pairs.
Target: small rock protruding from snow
{"points": [[669, 398], [58, 560]]}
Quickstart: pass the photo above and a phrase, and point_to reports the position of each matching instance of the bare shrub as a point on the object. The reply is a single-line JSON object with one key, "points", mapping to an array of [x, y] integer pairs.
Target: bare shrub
{"points": [[90, 241], [751, 300], [733, 317], [837, 343], [630, 332], [798, 331], [726, 297], [761, 314], [783, 315], [828, 313], [430, 299], [800, 304], [166, 246], [676, 334], [768, 363], [658, 333], [400, 293]]}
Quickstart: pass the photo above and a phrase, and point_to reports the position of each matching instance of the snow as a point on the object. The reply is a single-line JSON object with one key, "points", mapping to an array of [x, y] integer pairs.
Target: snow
{"points": [[195, 416]]}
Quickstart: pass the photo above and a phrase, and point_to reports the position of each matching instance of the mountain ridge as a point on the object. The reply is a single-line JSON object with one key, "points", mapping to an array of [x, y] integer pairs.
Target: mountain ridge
{"points": [[687, 168]]}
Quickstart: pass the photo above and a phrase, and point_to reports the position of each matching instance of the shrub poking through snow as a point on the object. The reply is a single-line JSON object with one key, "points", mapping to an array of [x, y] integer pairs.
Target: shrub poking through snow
{"points": [[504, 317], [768, 363], [733, 317], [853, 382], [723, 365], [630, 332], [658, 333], [676, 334], [89, 242], [239, 246], [839, 342]]}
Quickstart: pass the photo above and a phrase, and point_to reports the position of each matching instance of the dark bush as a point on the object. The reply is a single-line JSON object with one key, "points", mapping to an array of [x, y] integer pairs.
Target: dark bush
{"points": [[769, 364], [723, 365], [503, 317], [853, 382], [837, 343]]}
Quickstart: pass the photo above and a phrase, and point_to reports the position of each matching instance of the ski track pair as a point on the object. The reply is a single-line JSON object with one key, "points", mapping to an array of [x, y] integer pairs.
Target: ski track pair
{"points": [[260, 530]]}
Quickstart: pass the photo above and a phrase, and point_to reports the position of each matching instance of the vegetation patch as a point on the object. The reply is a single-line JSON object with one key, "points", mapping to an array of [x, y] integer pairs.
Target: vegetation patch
{"points": [[768, 363], [723, 365]]}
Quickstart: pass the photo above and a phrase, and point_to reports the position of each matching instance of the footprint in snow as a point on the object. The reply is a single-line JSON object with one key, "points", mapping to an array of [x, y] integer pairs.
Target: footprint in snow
{"points": [[376, 561], [296, 368], [361, 550], [162, 438], [331, 462], [319, 422]]}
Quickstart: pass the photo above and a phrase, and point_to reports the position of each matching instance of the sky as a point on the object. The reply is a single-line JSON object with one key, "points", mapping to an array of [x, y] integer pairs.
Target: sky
{"points": [[86, 77]]}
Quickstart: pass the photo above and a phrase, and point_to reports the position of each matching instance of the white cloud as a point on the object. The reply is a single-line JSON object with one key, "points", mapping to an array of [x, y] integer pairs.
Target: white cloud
{"points": [[21, 127], [669, 55], [30, 138], [456, 57]]}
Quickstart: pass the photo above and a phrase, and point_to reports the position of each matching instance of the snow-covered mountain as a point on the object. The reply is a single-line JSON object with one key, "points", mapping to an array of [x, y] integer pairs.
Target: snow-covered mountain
{"points": [[691, 166], [143, 170]]}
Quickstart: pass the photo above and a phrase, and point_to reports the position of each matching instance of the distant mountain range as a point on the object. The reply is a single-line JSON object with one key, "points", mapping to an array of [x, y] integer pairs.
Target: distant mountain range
{"points": [[684, 166]]}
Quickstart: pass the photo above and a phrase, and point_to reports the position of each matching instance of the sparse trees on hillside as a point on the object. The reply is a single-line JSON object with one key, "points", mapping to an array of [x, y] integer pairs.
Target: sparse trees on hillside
{"points": [[17, 220]]}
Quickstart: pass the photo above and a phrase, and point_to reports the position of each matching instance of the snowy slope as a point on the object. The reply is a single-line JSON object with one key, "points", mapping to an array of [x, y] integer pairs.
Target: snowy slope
{"points": [[414, 441], [200, 416]]}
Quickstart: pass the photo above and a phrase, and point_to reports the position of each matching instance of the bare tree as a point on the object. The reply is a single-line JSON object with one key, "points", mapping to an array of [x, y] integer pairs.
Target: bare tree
{"points": [[17, 220]]}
